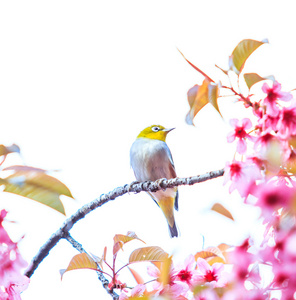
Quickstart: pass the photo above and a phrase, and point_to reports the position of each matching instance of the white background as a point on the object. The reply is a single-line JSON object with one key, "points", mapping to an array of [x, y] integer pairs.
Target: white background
{"points": [[80, 79]]}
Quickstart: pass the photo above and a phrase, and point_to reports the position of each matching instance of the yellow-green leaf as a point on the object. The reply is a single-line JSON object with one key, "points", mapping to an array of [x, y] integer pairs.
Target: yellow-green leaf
{"points": [[198, 96], [81, 261], [126, 238], [4, 150], [220, 209], [121, 239], [252, 78], [199, 289], [241, 53], [153, 253], [165, 269], [35, 184], [213, 94]]}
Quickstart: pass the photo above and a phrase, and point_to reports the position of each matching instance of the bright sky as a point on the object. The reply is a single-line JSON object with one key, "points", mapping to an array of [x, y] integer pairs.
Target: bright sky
{"points": [[80, 79]]}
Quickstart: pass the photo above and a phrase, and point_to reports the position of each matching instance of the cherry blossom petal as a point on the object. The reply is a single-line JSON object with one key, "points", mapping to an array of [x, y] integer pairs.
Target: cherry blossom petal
{"points": [[241, 146]]}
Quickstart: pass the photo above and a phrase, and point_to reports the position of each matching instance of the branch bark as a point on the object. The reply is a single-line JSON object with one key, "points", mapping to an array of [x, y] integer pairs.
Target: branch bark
{"points": [[101, 277], [135, 187]]}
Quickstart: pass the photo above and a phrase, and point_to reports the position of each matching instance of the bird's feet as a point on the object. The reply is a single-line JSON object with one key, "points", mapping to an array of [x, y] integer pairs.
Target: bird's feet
{"points": [[129, 186], [159, 183]]}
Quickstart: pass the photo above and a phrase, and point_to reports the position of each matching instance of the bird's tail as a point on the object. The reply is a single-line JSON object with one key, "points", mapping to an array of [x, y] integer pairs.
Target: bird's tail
{"points": [[173, 230], [167, 206]]}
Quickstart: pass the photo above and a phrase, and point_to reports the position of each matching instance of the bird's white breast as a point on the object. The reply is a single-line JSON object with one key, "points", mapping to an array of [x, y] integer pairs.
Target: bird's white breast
{"points": [[150, 159]]}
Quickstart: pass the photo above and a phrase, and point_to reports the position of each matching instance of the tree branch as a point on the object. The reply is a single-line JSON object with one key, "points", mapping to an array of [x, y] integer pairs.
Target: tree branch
{"points": [[104, 198]]}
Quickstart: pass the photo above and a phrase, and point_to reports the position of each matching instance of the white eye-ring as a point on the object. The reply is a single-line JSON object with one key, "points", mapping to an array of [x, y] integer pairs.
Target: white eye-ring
{"points": [[155, 128]]}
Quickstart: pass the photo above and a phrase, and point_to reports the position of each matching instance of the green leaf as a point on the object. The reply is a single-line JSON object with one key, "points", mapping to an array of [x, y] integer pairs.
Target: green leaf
{"points": [[200, 95], [35, 184], [253, 78], [241, 53], [80, 261], [153, 253]]}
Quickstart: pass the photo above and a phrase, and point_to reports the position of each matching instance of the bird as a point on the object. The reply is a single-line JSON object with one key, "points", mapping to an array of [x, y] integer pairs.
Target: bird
{"points": [[151, 159]]}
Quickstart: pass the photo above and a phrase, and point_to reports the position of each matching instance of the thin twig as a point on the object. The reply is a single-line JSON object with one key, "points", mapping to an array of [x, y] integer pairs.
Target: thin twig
{"points": [[104, 198], [101, 276]]}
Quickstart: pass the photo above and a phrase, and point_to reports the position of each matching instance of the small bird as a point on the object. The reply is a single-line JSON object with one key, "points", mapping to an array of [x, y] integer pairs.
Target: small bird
{"points": [[151, 159]]}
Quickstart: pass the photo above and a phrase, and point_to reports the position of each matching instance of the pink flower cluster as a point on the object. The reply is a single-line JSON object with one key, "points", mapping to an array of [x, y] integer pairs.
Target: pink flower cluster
{"points": [[12, 281], [266, 178], [183, 280]]}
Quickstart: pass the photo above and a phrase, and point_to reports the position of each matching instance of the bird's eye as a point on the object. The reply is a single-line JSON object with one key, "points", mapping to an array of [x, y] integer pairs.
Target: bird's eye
{"points": [[155, 128]]}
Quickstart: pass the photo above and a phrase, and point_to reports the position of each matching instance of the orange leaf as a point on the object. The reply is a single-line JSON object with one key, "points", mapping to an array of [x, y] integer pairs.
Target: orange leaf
{"points": [[153, 253], [117, 246], [104, 254], [200, 95], [216, 259], [4, 150], [137, 277], [81, 261], [223, 247], [126, 238], [121, 239], [219, 208], [196, 68], [210, 252]]}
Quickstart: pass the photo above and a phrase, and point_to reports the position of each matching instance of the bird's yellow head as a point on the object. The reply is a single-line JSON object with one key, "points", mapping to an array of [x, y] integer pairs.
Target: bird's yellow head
{"points": [[155, 132]]}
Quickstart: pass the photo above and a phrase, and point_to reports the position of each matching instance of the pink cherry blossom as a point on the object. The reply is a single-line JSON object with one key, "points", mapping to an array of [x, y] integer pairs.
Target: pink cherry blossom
{"points": [[137, 291], [174, 288], [274, 93], [268, 122], [272, 196], [242, 176], [240, 133], [185, 271], [264, 140], [12, 281], [285, 278], [241, 260], [207, 274], [287, 121]]}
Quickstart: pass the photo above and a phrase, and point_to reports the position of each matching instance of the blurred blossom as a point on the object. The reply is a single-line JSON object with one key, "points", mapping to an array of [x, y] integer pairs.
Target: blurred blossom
{"points": [[287, 122], [12, 280], [273, 196], [242, 176], [274, 93]]}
